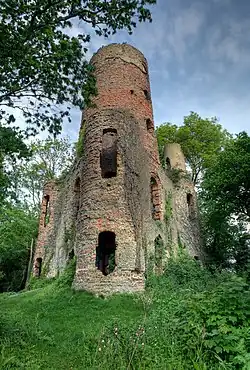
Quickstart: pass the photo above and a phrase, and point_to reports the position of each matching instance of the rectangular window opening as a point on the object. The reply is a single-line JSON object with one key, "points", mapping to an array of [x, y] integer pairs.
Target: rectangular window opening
{"points": [[108, 156]]}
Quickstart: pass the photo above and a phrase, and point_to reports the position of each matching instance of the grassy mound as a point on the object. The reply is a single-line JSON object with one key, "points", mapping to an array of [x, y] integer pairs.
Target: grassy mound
{"points": [[186, 319]]}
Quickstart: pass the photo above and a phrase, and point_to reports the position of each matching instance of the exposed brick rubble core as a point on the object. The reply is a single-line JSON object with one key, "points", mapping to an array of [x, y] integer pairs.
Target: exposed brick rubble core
{"points": [[117, 207]]}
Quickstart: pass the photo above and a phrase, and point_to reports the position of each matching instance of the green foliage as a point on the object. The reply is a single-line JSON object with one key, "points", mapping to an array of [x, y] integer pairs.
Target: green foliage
{"points": [[165, 133], [187, 319], [67, 277], [201, 139], [80, 143], [41, 282], [227, 182], [176, 174], [42, 66], [50, 158], [168, 207], [12, 148], [17, 228], [225, 206], [159, 253]]}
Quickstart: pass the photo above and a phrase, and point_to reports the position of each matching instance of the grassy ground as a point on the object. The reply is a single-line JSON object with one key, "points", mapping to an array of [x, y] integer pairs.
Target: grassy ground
{"points": [[168, 327]]}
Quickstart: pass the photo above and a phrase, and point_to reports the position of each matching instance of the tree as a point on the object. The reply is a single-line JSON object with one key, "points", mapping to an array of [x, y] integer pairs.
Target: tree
{"points": [[225, 204], [166, 133], [17, 228], [227, 182], [12, 149], [201, 139], [50, 159], [43, 70]]}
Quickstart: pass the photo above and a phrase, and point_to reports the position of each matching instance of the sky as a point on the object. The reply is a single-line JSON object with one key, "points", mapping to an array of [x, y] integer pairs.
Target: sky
{"points": [[198, 53]]}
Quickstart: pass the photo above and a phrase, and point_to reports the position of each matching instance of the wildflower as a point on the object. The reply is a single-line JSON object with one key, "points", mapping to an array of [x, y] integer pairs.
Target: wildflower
{"points": [[99, 349]]}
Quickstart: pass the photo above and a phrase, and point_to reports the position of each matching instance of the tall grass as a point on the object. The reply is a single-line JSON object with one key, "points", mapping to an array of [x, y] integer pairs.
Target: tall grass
{"points": [[186, 319]]}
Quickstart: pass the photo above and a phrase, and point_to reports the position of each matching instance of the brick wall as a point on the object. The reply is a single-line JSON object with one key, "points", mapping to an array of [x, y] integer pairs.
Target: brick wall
{"points": [[110, 187]]}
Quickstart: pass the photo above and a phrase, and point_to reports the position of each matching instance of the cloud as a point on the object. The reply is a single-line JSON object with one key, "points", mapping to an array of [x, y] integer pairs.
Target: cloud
{"points": [[228, 42], [184, 30]]}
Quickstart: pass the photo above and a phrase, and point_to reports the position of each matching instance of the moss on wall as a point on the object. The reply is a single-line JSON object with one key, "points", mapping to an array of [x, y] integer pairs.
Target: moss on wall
{"points": [[168, 207]]}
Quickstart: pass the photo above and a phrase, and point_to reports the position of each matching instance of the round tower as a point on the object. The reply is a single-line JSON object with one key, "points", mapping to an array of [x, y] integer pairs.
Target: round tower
{"points": [[120, 156], [122, 78], [174, 157]]}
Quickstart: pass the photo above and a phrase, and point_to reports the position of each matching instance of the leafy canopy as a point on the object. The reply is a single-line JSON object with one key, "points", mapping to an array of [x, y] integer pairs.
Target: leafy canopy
{"points": [[227, 182], [42, 67], [50, 159], [201, 139], [17, 228], [225, 204]]}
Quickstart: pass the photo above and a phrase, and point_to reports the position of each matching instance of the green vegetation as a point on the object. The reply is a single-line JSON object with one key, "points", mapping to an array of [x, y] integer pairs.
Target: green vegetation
{"points": [[186, 319], [168, 207], [225, 206], [17, 229], [201, 139], [80, 142]]}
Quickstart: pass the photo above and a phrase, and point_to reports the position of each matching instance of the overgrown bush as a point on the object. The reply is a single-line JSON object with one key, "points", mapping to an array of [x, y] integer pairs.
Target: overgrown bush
{"points": [[196, 321], [187, 319]]}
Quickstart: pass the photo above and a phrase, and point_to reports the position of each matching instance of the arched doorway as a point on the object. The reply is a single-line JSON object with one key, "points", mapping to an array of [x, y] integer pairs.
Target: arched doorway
{"points": [[38, 267]]}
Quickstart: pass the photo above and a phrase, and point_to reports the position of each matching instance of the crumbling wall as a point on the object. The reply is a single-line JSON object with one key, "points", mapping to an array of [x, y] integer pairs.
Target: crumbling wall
{"points": [[185, 208], [46, 234], [117, 187]]}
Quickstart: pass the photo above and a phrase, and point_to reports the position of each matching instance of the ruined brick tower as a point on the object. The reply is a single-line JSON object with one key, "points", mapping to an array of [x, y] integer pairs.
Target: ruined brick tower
{"points": [[118, 209]]}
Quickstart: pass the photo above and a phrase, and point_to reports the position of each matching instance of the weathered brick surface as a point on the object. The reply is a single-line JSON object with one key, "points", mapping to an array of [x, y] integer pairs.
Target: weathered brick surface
{"points": [[119, 132], [46, 231]]}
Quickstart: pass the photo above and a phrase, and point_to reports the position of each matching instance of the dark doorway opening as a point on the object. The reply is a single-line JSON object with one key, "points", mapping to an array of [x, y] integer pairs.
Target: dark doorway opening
{"points": [[150, 125], [71, 255], [47, 210], [38, 267], [168, 164], [146, 93], [190, 203], [105, 252]]}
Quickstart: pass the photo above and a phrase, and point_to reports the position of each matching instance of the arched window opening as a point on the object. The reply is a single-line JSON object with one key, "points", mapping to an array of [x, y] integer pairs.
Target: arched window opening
{"points": [[105, 252], [77, 196], [150, 125], [131, 92], [190, 203], [168, 163], [47, 210], [108, 157], [159, 246], [71, 255], [146, 93], [38, 267], [155, 199]]}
